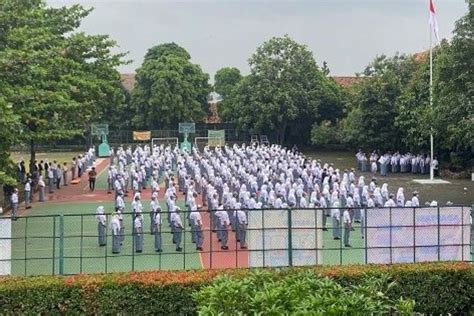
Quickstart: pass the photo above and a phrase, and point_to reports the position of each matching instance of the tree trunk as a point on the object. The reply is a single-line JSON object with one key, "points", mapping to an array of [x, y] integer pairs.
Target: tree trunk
{"points": [[32, 156], [282, 132]]}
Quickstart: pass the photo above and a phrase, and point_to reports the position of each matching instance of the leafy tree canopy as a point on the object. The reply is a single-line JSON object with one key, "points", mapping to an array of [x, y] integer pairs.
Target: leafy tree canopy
{"points": [[56, 79], [169, 89], [225, 83], [283, 92]]}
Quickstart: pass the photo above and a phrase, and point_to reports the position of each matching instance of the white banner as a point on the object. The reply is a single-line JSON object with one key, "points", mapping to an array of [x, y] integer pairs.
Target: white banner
{"points": [[418, 234], [5, 246], [268, 241]]}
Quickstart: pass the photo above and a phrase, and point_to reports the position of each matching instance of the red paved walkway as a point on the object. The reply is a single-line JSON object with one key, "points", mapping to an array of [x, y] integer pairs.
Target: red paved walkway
{"points": [[215, 258]]}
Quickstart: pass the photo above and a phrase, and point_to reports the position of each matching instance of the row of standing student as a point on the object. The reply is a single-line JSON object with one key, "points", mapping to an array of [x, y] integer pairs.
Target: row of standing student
{"points": [[176, 226]]}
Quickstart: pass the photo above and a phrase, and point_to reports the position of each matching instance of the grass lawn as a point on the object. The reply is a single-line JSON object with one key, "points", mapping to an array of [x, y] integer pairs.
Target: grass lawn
{"points": [[60, 157]]}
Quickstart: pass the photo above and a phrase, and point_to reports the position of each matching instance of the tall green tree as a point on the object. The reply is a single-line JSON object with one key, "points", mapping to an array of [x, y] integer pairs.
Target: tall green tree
{"points": [[225, 83], [454, 91], [8, 135], [372, 111], [169, 89], [282, 94], [57, 80]]}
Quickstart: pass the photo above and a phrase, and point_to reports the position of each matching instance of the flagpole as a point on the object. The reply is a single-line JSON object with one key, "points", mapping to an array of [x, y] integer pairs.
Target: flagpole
{"points": [[431, 103]]}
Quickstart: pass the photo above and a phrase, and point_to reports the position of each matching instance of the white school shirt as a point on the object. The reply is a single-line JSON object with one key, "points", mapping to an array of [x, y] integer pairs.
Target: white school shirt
{"points": [[15, 198], [120, 202], [223, 217], [196, 218], [115, 224], [176, 220], [414, 201], [346, 217], [138, 223], [157, 219], [241, 217], [303, 202], [27, 187], [101, 218], [335, 211], [154, 205]]}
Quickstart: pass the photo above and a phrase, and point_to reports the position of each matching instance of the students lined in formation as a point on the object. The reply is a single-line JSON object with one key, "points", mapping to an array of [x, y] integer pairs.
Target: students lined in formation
{"points": [[395, 163], [48, 176], [231, 181]]}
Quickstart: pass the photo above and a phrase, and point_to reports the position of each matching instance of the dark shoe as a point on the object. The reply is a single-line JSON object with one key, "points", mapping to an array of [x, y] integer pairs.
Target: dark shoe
{"points": [[243, 247], [224, 248], [139, 251], [337, 238], [179, 249], [348, 246], [199, 248], [325, 229], [159, 250]]}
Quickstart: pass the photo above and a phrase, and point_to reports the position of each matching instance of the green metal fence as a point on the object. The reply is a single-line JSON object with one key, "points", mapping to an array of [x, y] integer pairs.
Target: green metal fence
{"points": [[68, 244]]}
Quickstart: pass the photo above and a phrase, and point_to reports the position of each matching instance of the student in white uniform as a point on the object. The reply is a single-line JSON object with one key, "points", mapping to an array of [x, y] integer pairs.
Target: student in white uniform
{"points": [[14, 201], [347, 227], [28, 195], [41, 188], [178, 227], [101, 226], [223, 223], [138, 232], [156, 220], [335, 215], [414, 200], [241, 231], [196, 228], [116, 238], [400, 197]]}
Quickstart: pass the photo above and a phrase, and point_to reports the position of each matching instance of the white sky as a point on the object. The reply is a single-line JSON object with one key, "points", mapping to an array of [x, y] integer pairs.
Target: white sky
{"points": [[347, 34]]}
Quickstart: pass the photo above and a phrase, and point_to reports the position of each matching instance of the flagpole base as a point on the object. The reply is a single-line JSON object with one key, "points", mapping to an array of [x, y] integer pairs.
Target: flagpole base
{"points": [[429, 181]]}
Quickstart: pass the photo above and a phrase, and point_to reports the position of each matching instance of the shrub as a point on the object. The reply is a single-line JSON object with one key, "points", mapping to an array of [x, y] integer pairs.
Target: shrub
{"points": [[437, 288], [303, 292]]}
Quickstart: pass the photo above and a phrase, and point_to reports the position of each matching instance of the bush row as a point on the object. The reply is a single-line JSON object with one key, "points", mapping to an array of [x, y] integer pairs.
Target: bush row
{"points": [[436, 288]]}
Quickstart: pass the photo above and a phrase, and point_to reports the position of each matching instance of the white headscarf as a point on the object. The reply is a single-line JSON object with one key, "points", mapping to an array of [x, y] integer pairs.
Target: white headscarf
{"points": [[100, 216]]}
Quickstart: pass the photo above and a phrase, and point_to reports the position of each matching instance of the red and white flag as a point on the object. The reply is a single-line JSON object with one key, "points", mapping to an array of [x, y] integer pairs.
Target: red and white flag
{"points": [[433, 22]]}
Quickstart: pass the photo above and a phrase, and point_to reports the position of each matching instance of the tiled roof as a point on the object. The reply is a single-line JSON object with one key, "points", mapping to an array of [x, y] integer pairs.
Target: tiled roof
{"points": [[347, 81], [128, 81]]}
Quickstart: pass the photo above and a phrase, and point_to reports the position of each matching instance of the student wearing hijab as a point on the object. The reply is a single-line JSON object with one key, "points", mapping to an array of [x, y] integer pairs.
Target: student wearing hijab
{"points": [[41, 188], [116, 238], [156, 220], [138, 232], [101, 226]]}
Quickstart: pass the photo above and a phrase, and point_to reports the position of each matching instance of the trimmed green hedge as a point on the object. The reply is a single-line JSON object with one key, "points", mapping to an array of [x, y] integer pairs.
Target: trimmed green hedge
{"points": [[437, 288]]}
